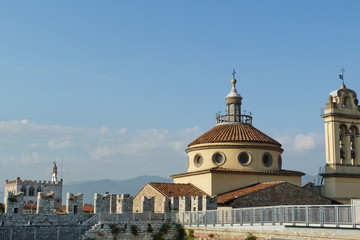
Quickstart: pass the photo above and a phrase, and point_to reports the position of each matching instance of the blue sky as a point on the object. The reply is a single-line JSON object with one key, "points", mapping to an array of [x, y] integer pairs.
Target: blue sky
{"points": [[103, 86]]}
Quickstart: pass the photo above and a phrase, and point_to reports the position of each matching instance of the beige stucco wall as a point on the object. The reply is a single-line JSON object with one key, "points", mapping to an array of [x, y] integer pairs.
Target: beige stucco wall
{"points": [[342, 189], [216, 183], [231, 152], [203, 181]]}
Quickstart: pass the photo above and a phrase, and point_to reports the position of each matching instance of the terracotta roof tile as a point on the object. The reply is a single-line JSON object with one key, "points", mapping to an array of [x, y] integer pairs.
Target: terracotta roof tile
{"points": [[225, 197], [177, 189], [234, 133], [86, 208]]}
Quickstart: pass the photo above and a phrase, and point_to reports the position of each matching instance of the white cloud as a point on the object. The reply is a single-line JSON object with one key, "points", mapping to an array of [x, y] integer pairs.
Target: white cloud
{"points": [[31, 158], [302, 151], [90, 153], [301, 142], [54, 143], [308, 142]]}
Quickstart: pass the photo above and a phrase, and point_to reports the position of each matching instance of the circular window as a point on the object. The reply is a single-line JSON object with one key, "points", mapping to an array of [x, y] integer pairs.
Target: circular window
{"points": [[198, 160], [267, 159], [218, 159], [244, 158], [280, 162]]}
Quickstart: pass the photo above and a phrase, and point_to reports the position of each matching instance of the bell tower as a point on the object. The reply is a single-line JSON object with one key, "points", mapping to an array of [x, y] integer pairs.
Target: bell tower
{"points": [[342, 122]]}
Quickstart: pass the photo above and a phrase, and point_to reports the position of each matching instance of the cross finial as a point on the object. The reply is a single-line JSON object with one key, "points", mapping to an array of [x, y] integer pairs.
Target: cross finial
{"points": [[233, 73], [341, 76]]}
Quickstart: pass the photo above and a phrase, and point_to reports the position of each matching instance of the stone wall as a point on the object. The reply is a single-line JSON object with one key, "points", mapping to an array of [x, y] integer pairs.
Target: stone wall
{"points": [[148, 204], [147, 230], [102, 203], [148, 192], [15, 203], [184, 204], [74, 203], [273, 232], [174, 203], [113, 203], [209, 203], [196, 203], [124, 204], [45, 202]]}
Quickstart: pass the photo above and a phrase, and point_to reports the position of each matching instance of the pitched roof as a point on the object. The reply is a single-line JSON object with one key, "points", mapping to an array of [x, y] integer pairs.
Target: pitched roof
{"points": [[234, 133], [281, 172], [177, 189], [225, 197]]}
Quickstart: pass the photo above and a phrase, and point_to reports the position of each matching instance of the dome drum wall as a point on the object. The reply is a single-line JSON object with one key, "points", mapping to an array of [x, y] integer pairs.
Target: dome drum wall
{"points": [[235, 157]]}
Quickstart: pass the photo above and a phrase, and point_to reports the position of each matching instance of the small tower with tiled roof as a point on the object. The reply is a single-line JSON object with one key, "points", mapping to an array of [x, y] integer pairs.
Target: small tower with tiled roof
{"points": [[234, 153]]}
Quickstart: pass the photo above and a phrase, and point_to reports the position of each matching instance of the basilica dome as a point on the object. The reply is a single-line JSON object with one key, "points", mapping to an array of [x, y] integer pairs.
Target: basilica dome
{"points": [[234, 143], [235, 133]]}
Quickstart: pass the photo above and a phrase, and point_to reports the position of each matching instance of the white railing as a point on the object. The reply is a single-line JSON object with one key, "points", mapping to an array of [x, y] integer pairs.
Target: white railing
{"points": [[295, 215]]}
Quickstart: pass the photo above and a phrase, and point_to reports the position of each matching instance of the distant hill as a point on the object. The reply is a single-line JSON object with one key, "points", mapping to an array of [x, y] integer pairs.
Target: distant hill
{"points": [[128, 186]]}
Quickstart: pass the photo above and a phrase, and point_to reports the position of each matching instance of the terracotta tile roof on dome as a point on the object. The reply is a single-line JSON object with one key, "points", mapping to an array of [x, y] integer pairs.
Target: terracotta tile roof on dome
{"points": [[234, 133], [177, 189], [225, 197]]}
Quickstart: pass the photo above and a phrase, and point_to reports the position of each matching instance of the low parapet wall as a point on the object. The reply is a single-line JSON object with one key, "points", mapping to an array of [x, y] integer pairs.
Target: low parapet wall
{"points": [[273, 232]]}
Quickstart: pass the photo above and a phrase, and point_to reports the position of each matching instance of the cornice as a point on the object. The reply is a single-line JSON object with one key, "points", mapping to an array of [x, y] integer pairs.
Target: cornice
{"points": [[220, 170], [340, 175], [229, 146]]}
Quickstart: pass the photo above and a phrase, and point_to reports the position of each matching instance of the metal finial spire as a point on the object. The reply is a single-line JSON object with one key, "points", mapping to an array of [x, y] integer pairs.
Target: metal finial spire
{"points": [[341, 76], [233, 73]]}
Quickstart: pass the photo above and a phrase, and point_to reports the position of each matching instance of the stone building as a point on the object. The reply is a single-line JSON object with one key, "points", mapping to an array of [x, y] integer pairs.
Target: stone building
{"points": [[342, 122], [234, 154], [31, 188], [172, 196]]}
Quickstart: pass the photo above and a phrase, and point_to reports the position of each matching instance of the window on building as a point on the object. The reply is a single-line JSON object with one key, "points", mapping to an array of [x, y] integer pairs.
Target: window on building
{"points": [[346, 102], [244, 158], [280, 162], [267, 159], [198, 160], [23, 190], [219, 158], [31, 191], [38, 189]]}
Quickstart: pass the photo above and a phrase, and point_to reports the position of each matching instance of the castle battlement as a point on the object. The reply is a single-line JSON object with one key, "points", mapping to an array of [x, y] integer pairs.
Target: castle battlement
{"points": [[20, 181]]}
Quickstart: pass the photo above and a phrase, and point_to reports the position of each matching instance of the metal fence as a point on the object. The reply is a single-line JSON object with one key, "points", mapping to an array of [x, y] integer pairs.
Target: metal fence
{"points": [[295, 215]]}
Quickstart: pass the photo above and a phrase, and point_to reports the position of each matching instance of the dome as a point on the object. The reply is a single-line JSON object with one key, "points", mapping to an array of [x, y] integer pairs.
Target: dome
{"points": [[234, 133]]}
